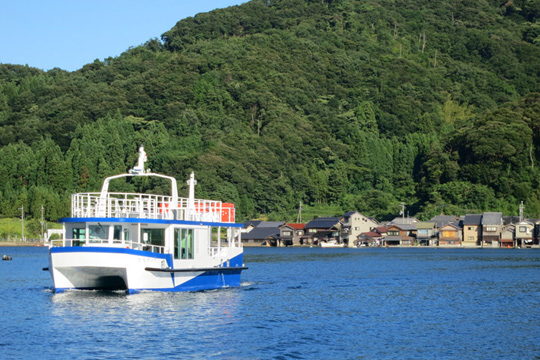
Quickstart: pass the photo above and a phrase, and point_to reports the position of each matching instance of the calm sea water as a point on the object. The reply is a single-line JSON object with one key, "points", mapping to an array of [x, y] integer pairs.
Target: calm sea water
{"points": [[295, 303]]}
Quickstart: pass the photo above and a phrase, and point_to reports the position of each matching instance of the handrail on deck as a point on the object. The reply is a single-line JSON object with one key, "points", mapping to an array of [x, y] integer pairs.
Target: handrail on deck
{"points": [[108, 243], [148, 206]]}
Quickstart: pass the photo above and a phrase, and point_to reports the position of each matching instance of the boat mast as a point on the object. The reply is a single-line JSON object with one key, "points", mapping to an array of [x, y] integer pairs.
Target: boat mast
{"points": [[137, 171], [191, 196]]}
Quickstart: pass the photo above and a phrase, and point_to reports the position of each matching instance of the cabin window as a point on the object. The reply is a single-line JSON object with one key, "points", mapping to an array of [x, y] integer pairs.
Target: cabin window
{"points": [[79, 234], [153, 236], [523, 229], [393, 233], [299, 232], [117, 234], [183, 243], [423, 232], [98, 232], [491, 228], [287, 233]]}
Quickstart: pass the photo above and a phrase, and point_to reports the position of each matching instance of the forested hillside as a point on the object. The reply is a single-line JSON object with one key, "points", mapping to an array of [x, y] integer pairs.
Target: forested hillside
{"points": [[343, 104]]}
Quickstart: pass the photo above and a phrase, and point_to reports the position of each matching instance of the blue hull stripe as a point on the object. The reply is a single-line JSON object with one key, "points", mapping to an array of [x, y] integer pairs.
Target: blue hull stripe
{"points": [[148, 221], [111, 250]]}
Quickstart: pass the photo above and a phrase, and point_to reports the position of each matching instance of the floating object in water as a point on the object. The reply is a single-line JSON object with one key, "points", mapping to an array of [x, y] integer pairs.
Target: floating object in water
{"points": [[6, 257]]}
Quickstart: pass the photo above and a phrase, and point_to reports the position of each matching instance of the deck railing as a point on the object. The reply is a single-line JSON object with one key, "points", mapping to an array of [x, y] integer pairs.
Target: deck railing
{"points": [[108, 243], [148, 206]]}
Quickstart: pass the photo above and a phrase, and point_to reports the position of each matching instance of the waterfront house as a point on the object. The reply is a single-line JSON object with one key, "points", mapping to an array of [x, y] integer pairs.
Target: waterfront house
{"points": [[369, 238], [383, 230], [265, 233], [492, 223], [286, 233], [450, 235], [472, 230], [426, 233], [322, 229], [400, 235], [508, 235], [353, 224], [524, 234], [291, 234]]}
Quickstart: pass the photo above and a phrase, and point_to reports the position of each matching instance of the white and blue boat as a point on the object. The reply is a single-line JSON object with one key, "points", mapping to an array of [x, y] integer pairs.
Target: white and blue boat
{"points": [[138, 242]]}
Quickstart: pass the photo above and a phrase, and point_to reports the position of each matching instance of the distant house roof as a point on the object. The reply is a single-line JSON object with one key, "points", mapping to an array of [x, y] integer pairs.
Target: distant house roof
{"points": [[401, 220], [275, 224], [515, 220], [263, 231], [405, 227], [349, 213], [492, 218], [453, 225], [381, 229], [472, 219], [252, 223], [323, 223], [510, 220], [425, 225], [441, 220], [370, 234], [296, 226]]}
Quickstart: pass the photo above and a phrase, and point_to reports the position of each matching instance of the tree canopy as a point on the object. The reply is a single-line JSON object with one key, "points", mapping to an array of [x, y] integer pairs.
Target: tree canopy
{"points": [[338, 104]]}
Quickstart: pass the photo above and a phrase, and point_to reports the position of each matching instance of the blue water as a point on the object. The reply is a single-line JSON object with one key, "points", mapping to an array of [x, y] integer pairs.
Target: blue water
{"points": [[294, 303]]}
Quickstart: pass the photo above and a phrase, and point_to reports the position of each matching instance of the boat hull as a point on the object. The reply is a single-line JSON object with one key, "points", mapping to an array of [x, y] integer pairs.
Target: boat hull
{"points": [[102, 268]]}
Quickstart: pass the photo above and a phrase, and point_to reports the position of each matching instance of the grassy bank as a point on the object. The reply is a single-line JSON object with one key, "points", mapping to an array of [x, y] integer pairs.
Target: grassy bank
{"points": [[11, 230]]}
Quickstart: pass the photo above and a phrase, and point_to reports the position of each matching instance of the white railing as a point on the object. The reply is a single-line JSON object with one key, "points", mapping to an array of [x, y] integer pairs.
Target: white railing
{"points": [[108, 243], [148, 206]]}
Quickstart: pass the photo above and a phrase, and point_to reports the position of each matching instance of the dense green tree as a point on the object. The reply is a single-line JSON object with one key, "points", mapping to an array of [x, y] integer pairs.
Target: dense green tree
{"points": [[342, 104]]}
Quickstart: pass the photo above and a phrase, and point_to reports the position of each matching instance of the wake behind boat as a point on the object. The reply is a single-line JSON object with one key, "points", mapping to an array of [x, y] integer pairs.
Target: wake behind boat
{"points": [[134, 242]]}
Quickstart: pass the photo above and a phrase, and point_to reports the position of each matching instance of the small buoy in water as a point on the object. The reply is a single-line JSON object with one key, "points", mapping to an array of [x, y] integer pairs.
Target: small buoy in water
{"points": [[6, 257]]}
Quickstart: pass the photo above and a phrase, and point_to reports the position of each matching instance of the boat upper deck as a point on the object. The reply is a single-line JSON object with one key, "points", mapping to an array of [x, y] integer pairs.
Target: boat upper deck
{"points": [[149, 206], [107, 204]]}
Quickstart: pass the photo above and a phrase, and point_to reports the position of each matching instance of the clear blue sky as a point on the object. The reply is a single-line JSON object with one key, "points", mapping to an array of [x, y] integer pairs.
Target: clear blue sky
{"points": [[71, 33]]}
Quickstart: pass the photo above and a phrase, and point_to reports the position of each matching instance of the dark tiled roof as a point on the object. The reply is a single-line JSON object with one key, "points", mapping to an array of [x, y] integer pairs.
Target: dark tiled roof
{"points": [[441, 220], [472, 219], [323, 223], [492, 218], [251, 222], [261, 233]]}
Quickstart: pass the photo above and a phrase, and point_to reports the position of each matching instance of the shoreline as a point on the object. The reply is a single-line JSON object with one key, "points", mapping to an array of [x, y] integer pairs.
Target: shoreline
{"points": [[38, 244], [20, 243]]}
